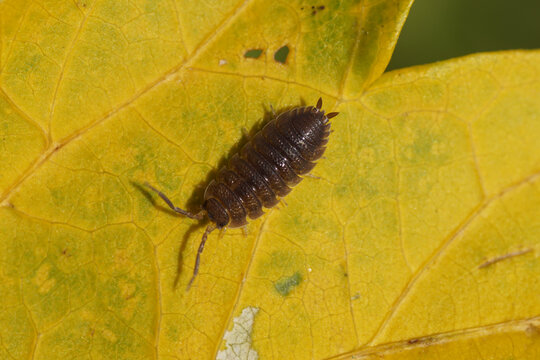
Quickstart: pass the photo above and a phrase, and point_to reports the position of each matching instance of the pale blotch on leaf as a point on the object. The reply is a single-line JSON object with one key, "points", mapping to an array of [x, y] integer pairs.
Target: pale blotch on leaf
{"points": [[43, 280], [238, 340]]}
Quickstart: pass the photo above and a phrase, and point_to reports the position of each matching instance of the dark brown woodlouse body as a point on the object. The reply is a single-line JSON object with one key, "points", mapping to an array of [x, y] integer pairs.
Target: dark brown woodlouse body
{"points": [[263, 171]]}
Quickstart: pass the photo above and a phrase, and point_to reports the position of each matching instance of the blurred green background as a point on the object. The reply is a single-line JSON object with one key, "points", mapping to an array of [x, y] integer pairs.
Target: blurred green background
{"points": [[442, 29]]}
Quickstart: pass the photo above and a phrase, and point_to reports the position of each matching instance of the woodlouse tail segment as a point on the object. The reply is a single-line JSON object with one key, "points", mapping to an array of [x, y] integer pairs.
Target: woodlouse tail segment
{"points": [[331, 115], [197, 216], [208, 230], [319, 104]]}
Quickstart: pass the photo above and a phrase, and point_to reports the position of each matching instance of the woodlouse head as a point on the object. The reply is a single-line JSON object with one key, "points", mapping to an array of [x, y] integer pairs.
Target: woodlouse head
{"points": [[216, 213]]}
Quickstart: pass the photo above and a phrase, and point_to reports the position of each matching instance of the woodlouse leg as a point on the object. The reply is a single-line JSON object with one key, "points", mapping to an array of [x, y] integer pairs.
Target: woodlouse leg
{"points": [[273, 111], [245, 230], [222, 232], [312, 176], [281, 200], [197, 216], [208, 230]]}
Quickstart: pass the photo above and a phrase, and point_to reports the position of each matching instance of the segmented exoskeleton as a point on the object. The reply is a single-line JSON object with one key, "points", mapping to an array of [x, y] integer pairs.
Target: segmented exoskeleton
{"points": [[264, 170]]}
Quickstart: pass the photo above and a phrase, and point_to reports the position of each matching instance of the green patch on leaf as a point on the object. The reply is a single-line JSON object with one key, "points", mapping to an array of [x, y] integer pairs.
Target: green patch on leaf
{"points": [[286, 284]]}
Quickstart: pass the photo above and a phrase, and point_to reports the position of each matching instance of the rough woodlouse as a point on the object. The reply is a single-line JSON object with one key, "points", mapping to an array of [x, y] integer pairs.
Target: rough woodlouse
{"points": [[263, 170]]}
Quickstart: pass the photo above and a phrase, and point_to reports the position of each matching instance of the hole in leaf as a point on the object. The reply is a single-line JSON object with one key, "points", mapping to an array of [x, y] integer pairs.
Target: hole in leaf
{"points": [[253, 53], [281, 54]]}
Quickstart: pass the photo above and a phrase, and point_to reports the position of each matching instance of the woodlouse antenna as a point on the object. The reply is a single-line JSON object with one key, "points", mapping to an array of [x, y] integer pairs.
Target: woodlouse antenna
{"points": [[198, 216], [208, 230], [319, 103]]}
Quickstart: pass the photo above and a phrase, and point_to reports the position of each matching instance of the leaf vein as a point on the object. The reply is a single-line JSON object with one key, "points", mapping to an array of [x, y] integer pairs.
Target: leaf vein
{"points": [[422, 270]]}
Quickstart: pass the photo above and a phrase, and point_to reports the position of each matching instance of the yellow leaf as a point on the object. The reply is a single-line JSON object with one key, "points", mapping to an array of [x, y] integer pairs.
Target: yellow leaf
{"points": [[420, 239]]}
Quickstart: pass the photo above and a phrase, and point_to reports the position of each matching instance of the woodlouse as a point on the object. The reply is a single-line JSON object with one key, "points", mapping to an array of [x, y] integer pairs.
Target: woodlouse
{"points": [[264, 170]]}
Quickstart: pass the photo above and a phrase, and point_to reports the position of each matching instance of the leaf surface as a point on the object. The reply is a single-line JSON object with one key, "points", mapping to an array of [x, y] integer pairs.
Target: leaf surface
{"points": [[420, 236]]}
